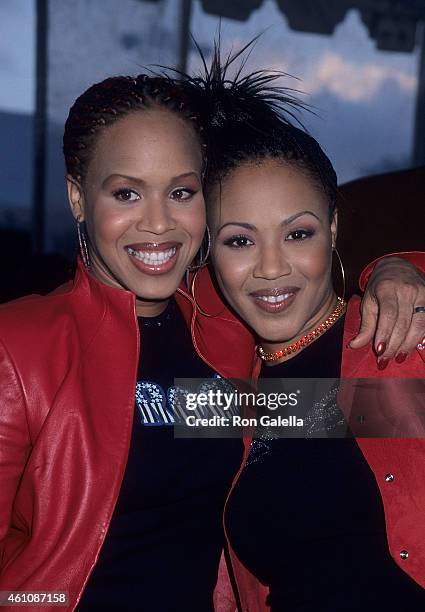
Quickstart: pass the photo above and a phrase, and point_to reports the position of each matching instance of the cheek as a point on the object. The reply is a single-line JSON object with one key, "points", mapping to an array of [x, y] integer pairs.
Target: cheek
{"points": [[109, 223], [193, 220], [232, 268], [314, 263]]}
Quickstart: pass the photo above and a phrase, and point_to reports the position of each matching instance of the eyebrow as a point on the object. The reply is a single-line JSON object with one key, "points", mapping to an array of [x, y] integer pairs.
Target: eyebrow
{"points": [[247, 226], [140, 181], [304, 212], [285, 222]]}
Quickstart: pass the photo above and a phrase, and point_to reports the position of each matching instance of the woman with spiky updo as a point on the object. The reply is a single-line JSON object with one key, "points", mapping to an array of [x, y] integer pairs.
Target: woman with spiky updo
{"points": [[333, 518]]}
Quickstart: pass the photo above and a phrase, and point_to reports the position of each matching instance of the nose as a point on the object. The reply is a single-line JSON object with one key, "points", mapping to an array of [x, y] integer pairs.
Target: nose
{"points": [[272, 262], [155, 216]]}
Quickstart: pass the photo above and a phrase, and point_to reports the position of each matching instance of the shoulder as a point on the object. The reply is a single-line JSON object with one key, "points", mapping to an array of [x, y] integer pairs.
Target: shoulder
{"points": [[30, 320], [36, 307], [207, 295]]}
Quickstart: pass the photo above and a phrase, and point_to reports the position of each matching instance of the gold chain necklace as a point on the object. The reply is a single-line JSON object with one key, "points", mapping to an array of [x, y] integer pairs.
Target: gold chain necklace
{"points": [[305, 340]]}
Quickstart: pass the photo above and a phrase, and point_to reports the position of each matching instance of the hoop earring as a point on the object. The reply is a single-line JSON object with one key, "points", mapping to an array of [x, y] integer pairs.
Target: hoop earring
{"points": [[82, 240], [203, 256], [192, 292], [335, 250]]}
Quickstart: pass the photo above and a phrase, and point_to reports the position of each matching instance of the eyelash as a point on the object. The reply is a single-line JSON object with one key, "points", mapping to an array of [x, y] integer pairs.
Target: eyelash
{"points": [[119, 193], [229, 242], [233, 239], [190, 192], [307, 234]]}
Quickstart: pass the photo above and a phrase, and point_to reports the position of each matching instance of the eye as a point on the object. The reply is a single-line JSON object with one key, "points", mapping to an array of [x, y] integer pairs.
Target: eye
{"points": [[238, 242], [126, 195], [299, 234], [182, 194]]}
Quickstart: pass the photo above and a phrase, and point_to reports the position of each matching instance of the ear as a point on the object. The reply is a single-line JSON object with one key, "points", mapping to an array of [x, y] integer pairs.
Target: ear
{"points": [[334, 227], [75, 197]]}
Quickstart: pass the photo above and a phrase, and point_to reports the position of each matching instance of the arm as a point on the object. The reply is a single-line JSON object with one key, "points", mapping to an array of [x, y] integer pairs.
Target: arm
{"points": [[14, 441], [395, 286], [415, 258]]}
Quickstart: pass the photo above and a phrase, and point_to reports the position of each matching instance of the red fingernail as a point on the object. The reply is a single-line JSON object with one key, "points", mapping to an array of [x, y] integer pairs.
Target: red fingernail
{"points": [[380, 349], [400, 357], [382, 363]]}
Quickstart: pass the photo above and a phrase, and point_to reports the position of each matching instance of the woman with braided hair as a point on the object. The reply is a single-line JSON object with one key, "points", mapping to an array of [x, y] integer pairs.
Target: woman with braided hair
{"points": [[98, 500], [91, 498]]}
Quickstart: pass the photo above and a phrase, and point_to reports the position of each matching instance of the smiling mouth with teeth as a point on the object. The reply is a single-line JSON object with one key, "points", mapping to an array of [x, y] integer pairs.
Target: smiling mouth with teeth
{"points": [[274, 299], [153, 258]]}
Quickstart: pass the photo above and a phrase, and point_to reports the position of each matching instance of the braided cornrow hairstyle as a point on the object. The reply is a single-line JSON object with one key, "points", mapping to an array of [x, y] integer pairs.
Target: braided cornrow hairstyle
{"points": [[250, 118], [112, 99]]}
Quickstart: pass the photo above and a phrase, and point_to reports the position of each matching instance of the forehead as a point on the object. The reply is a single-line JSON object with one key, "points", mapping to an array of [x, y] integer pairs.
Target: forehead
{"points": [[147, 139], [269, 190]]}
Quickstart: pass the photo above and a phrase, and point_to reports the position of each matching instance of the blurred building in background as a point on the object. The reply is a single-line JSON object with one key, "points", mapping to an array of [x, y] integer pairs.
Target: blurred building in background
{"points": [[360, 63]]}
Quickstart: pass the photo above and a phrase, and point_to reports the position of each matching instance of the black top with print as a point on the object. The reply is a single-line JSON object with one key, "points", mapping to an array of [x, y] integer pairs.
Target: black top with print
{"points": [[165, 539], [306, 515]]}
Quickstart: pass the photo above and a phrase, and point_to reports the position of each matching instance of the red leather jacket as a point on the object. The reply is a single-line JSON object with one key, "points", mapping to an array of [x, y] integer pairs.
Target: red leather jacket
{"points": [[68, 365]]}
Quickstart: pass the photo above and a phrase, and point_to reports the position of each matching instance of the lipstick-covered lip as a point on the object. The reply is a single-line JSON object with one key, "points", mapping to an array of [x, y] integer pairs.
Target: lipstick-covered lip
{"points": [[274, 300], [152, 247], [274, 292], [154, 257]]}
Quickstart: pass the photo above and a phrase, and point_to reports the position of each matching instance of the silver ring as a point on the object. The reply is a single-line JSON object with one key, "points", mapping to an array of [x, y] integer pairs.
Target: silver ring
{"points": [[419, 309]]}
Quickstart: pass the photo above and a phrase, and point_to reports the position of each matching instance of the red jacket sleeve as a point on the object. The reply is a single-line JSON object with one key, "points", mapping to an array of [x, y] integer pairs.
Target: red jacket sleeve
{"points": [[417, 258], [14, 441]]}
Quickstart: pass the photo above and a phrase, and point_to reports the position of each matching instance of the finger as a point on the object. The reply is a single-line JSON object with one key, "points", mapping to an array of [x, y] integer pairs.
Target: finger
{"points": [[387, 317], [400, 330], [414, 337], [369, 313]]}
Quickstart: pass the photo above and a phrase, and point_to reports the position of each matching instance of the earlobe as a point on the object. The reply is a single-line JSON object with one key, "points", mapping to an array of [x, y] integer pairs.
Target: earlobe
{"points": [[75, 198]]}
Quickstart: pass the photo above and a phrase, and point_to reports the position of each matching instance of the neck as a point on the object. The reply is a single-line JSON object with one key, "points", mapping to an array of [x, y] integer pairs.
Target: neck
{"points": [[145, 308], [327, 307]]}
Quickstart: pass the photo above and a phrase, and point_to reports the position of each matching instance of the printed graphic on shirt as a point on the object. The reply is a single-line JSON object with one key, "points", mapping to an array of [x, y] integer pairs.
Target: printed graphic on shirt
{"points": [[159, 407]]}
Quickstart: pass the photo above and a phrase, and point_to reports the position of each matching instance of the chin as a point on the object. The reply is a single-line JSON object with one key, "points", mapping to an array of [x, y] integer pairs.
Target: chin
{"points": [[278, 333], [163, 292]]}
